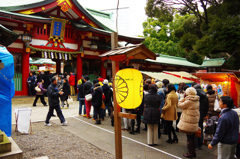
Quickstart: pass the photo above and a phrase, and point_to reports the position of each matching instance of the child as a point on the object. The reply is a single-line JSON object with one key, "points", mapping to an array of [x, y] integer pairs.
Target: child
{"points": [[226, 135], [209, 129]]}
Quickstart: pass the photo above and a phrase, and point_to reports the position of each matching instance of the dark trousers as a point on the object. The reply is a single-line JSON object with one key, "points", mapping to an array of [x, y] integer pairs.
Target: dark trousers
{"points": [[42, 99], [177, 121], [97, 113], [170, 129], [59, 113], [31, 89], [191, 137], [200, 139]]}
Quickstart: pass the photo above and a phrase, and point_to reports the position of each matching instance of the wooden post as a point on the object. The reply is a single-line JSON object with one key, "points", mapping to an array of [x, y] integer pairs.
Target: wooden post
{"points": [[117, 109]]}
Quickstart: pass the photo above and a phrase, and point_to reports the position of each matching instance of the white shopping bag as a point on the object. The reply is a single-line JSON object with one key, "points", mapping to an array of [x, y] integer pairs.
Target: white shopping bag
{"points": [[23, 116]]}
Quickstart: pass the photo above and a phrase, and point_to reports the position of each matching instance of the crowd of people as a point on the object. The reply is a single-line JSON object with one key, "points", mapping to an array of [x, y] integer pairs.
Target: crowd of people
{"points": [[192, 109]]}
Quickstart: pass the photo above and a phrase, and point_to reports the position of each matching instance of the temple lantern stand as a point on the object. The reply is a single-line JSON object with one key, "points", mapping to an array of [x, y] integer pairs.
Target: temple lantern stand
{"points": [[117, 55]]}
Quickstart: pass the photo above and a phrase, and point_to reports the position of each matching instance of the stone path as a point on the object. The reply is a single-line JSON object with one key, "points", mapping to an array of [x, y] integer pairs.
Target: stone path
{"points": [[102, 136]]}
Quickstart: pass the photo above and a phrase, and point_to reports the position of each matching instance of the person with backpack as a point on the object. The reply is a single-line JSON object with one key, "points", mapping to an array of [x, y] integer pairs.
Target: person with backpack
{"points": [[40, 94]]}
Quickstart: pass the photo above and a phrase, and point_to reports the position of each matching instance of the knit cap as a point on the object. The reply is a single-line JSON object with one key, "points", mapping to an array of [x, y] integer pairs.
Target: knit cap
{"points": [[105, 81], [159, 84], [191, 91]]}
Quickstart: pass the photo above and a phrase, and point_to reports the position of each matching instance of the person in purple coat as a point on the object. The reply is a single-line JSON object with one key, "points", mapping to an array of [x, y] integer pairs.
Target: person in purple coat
{"points": [[40, 94]]}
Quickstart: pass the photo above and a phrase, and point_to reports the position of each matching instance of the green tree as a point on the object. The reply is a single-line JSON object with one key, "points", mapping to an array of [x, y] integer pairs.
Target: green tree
{"points": [[212, 33], [160, 38]]}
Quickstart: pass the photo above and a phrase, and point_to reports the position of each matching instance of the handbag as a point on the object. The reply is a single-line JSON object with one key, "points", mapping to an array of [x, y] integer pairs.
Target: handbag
{"points": [[198, 133], [69, 100], [88, 97], [103, 106], [37, 89]]}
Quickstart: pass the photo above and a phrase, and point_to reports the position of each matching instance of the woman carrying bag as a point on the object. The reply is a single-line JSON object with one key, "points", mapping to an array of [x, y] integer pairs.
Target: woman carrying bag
{"points": [[97, 101], [39, 94], [169, 112], [188, 123], [66, 94]]}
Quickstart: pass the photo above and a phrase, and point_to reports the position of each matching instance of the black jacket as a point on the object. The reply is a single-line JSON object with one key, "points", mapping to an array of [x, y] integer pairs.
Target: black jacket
{"points": [[203, 105], [53, 95], [110, 98], [66, 90], [106, 89], [80, 91], [97, 97], [87, 88], [152, 113]]}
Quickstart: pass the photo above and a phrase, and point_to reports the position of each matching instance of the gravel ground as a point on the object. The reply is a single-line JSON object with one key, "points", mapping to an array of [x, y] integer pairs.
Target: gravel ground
{"points": [[55, 142]]}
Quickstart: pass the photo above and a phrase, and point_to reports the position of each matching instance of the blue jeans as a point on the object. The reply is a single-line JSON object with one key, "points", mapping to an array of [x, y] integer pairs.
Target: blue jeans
{"points": [[82, 102]]}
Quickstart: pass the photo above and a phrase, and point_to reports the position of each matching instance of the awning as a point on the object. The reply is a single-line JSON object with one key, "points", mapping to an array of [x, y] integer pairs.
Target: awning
{"points": [[217, 76], [172, 79], [181, 73], [139, 51]]}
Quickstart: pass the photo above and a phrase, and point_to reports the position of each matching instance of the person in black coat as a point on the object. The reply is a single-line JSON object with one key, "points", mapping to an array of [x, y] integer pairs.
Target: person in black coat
{"points": [[97, 102], [66, 94], [203, 108], [152, 114], [81, 98], [110, 104]]}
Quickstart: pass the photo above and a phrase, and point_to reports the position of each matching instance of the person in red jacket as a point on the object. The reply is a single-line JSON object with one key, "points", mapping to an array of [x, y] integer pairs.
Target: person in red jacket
{"points": [[72, 83]]}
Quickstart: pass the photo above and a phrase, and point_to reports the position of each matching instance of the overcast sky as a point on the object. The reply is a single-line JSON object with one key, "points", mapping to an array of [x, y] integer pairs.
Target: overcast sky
{"points": [[131, 12]]}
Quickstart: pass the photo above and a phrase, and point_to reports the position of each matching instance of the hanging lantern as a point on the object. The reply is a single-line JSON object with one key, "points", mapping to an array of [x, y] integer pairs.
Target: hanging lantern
{"points": [[129, 88]]}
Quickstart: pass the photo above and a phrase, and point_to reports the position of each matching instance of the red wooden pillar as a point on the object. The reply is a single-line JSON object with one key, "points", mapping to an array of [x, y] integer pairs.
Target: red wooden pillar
{"points": [[79, 67], [103, 70], [58, 66], [25, 72]]}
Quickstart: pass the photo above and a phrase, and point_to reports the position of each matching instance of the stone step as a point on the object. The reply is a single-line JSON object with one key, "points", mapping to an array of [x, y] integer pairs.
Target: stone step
{"points": [[5, 145], [30, 100], [16, 152]]}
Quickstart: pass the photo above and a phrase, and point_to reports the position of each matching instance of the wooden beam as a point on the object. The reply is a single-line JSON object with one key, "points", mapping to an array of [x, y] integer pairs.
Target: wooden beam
{"points": [[117, 109], [127, 115]]}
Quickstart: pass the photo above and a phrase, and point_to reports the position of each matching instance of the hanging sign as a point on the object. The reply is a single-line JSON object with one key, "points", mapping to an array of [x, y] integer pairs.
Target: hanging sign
{"points": [[129, 88], [57, 28]]}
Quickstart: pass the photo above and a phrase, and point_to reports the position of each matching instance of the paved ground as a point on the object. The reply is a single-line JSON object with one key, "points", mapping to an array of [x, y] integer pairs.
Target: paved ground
{"points": [[102, 136]]}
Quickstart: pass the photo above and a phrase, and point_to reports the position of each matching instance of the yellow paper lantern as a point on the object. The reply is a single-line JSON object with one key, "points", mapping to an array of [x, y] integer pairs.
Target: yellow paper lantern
{"points": [[129, 88]]}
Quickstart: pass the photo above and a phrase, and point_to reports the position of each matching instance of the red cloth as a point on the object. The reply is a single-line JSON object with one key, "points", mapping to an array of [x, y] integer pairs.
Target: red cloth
{"points": [[103, 97], [72, 80], [88, 107]]}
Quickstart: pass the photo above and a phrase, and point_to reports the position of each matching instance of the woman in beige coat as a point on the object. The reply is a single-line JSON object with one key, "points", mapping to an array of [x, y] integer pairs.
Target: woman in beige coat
{"points": [[189, 119], [169, 112]]}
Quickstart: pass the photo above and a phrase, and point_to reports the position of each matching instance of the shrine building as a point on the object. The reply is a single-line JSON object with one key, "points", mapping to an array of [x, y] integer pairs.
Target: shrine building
{"points": [[61, 30]]}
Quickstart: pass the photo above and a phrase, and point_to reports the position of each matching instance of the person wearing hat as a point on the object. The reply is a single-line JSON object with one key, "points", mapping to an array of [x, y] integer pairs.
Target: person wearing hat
{"points": [[188, 123]]}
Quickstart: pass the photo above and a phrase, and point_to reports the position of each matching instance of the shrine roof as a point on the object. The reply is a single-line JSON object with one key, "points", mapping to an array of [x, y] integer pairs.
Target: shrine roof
{"points": [[7, 36], [218, 62], [173, 60], [102, 19], [24, 17], [108, 33]]}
